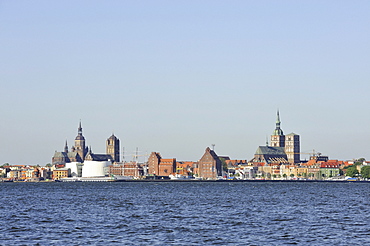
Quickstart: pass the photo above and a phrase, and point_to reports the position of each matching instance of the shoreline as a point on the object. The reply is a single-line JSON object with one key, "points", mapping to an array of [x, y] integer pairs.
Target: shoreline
{"points": [[197, 181]]}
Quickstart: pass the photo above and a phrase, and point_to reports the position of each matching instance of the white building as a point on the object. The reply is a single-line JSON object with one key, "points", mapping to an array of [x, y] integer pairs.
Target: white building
{"points": [[95, 168], [73, 167]]}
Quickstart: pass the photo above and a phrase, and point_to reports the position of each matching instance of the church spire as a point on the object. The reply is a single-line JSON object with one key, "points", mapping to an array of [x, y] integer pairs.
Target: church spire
{"points": [[80, 129], [278, 130], [278, 117], [66, 147], [80, 143]]}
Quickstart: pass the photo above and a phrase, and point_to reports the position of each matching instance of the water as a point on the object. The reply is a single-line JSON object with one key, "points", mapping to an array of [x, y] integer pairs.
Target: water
{"points": [[185, 213]]}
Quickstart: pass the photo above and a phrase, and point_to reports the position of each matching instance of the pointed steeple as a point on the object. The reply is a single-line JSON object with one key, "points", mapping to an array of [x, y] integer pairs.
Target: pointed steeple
{"points": [[80, 129], [66, 147], [278, 117], [80, 143], [278, 130]]}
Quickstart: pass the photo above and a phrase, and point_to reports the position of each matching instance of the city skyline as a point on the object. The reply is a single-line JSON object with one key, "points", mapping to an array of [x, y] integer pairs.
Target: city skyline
{"points": [[176, 77]]}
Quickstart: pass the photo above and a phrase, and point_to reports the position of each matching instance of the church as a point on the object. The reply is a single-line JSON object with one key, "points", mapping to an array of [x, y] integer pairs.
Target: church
{"points": [[283, 149], [80, 153]]}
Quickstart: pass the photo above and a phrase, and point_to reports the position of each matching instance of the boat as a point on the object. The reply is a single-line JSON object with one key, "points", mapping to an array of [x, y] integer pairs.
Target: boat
{"points": [[179, 177]]}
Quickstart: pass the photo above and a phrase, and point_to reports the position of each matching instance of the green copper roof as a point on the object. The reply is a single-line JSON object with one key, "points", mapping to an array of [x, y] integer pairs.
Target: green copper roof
{"points": [[278, 130]]}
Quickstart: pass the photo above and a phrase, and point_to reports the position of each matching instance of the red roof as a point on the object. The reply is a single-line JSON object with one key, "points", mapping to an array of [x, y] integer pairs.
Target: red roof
{"points": [[329, 165]]}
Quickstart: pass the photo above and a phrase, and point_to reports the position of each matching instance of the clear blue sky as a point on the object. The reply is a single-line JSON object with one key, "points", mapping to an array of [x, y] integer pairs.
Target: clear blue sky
{"points": [[178, 76]]}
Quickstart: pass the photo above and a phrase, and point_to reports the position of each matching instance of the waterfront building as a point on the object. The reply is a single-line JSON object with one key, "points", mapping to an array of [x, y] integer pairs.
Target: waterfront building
{"points": [[283, 149], [79, 154], [95, 168], [131, 169], [61, 158], [209, 165], [329, 169], [278, 137], [14, 174], [288, 171], [61, 173], [290, 142], [313, 172], [74, 167], [153, 163], [112, 148], [292, 148], [245, 172], [159, 166], [90, 156], [185, 168], [167, 167], [80, 145], [268, 154]]}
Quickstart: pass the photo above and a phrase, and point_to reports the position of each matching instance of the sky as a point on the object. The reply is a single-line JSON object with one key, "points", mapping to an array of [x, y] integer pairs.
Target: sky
{"points": [[176, 77]]}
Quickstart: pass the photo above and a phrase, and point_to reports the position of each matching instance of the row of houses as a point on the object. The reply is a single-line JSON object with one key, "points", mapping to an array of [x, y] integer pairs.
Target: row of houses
{"points": [[25, 173], [265, 164], [210, 166]]}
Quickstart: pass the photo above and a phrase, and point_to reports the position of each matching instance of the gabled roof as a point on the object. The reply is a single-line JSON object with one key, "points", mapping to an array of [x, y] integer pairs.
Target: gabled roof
{"points": [[98, 157], [60, 154], [268, 150], [72, 154], [268, 154]]}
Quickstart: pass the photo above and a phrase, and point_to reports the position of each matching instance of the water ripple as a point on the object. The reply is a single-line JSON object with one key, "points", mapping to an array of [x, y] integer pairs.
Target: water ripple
{"points": [[185, 213]]}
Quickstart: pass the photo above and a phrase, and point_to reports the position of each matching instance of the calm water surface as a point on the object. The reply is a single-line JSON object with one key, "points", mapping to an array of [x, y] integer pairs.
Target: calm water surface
{"points": [[185, 213]]}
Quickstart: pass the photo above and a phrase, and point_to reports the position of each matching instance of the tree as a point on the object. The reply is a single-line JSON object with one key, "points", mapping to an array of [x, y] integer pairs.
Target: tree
{"points": [[365, 172], [359, 161], [224, 164], [284, 175], [352, 171]]}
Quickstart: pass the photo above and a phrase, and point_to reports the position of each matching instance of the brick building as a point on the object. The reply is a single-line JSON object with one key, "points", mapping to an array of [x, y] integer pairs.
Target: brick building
{"points": [[132, 169], [209, 166], [159, 166]]}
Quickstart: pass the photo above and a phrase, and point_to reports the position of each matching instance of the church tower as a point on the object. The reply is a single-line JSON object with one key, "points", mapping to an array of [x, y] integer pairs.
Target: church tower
{"points": [[113, 148], [292, 148], [277, 137], [80, 143]]}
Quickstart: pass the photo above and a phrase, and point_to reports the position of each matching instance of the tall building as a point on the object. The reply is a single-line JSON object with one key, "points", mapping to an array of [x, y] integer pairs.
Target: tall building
{"points": [[268, 154], [113, 148], [209, 166], [277, 137], [153, 163], [80, 152], [159, 166], [290, 142], [80, 147], [283, 148], [292, 148]]}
